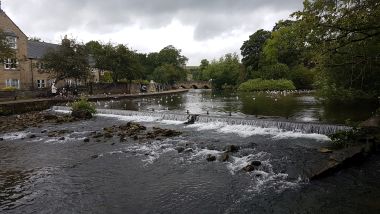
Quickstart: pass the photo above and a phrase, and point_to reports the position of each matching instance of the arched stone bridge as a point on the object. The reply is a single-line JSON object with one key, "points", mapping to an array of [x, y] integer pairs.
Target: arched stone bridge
{"points": [[194, 85]]}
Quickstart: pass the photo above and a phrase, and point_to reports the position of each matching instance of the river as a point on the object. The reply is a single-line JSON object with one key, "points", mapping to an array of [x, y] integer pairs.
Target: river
{"points": [[48, 175]]}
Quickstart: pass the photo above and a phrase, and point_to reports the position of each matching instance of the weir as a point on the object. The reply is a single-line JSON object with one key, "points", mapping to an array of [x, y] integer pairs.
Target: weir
{"points": [[303, 127]]}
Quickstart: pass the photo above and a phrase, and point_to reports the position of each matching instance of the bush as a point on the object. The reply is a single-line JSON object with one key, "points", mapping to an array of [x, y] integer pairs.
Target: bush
{"points": [[9, 88], [261, 85], [302, 77], [347, 138], [83, 105]]}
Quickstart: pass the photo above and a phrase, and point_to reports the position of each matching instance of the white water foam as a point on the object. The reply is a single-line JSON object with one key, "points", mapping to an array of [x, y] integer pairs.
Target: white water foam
{"points": [[247, 131], [14, 135], [263, 177], [151, 151], [63, 111], [136, 118]]}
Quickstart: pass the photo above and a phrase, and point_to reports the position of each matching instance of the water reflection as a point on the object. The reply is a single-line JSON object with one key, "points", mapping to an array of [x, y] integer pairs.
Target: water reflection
{"points": [[294, 106], [12, 187]]}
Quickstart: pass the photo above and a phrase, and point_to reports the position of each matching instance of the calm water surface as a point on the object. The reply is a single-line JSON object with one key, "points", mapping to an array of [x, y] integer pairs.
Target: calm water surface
{"points": [[302, 106]]}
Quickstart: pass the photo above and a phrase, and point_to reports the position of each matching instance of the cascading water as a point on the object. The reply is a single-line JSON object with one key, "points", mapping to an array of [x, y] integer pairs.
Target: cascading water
{"points": [[263, 123]]}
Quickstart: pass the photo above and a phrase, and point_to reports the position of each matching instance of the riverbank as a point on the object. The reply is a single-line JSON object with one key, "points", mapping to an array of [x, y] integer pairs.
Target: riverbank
{"points": [[28, 105]]}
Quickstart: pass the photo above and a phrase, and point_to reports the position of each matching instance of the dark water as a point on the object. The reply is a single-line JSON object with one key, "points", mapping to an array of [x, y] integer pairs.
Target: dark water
{"points": [[48, 175], [303, 106]]}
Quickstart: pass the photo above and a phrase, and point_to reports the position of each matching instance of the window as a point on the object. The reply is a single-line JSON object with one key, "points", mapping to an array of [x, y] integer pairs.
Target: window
{"points": [[10, 64], [12, 83], [40, 83], [12, 42]]}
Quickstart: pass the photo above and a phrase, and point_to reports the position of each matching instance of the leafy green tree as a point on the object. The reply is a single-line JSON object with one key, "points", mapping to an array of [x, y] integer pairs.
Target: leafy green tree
{"points": [[204, 64], [171, 59], [285, 46], [168, 73], [171, 55], [69, 61], [345, 38], [225, 72], [122, 62], [252, 49]]}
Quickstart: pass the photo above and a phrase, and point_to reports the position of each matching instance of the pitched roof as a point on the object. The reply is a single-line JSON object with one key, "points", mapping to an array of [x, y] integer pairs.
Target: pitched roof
{"points": [[36, 50], [2, 12]]}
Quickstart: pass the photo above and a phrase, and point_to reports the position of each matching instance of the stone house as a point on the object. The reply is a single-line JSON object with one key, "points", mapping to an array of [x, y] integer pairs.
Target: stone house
{"points": [[26, 71]]}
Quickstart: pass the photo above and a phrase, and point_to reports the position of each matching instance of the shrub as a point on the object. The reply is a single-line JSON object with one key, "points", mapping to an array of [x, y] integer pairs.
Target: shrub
{"points": [[9, 88], [261, 85], [302, 77], [83, 105], [347, 138]]}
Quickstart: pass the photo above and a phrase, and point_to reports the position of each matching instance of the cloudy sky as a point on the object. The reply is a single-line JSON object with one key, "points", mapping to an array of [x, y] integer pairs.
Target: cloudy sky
{"points": [[200, 28]]}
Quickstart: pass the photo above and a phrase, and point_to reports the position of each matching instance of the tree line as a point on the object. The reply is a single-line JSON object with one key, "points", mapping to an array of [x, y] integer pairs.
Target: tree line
{"points": [[332, 46], [72, 60]]}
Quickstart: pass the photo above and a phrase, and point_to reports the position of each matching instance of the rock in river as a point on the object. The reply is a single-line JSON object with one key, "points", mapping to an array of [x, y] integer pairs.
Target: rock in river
{"points": [[210, 158]]}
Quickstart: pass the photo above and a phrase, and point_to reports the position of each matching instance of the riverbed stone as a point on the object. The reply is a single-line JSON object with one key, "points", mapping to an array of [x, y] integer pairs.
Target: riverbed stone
{"points": [[210, 158], [325, 150], [231, 148], [180, 149], [256, 163], [86, 140], [108, 135], [249, 168], [224, 157]]}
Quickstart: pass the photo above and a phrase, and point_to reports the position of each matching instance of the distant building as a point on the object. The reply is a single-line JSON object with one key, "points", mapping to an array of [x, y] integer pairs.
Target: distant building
{"points": [[26, 71]]}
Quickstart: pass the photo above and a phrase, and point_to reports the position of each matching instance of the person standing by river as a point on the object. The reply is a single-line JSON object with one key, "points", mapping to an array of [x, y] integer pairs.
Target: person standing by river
{"points": [[53, 90]]}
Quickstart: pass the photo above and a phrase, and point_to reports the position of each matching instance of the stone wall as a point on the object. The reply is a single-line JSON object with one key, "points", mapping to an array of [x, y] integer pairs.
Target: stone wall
{"points": [[113, 88], [19, 94]]}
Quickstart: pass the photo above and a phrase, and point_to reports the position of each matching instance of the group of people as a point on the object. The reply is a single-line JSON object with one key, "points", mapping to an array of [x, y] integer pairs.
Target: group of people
{"points": [[63, 92]]}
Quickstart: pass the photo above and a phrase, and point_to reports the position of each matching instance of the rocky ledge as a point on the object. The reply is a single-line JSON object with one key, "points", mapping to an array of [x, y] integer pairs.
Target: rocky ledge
{"points": [[133, 131], [31, 119]]}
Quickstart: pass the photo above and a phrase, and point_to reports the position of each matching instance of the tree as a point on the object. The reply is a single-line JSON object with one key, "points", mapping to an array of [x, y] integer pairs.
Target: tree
{"points": [[225, 72], [121, 61], [171, 55], [171, 59], [345, 38], [285, 45], [5, 50], [69, 61], [252, 48], [168, 73]]}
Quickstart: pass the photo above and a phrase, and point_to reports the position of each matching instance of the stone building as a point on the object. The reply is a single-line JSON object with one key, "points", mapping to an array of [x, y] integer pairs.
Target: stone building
{"points": [[26, 71]]}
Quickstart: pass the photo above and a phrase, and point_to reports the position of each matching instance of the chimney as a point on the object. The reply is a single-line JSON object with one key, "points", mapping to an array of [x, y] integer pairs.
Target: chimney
{"points": [[0, 6]]}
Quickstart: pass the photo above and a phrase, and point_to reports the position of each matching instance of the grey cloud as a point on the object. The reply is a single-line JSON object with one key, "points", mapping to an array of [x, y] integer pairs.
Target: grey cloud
{"points": [[210, 17]]}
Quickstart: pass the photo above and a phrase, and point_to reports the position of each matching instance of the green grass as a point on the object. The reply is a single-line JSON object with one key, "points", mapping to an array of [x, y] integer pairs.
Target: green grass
{"points": [[262, 85]]}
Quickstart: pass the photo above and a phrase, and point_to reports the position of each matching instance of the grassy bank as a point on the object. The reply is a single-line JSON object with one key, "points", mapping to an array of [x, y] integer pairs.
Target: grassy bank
{"points": [[262, 85]]}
